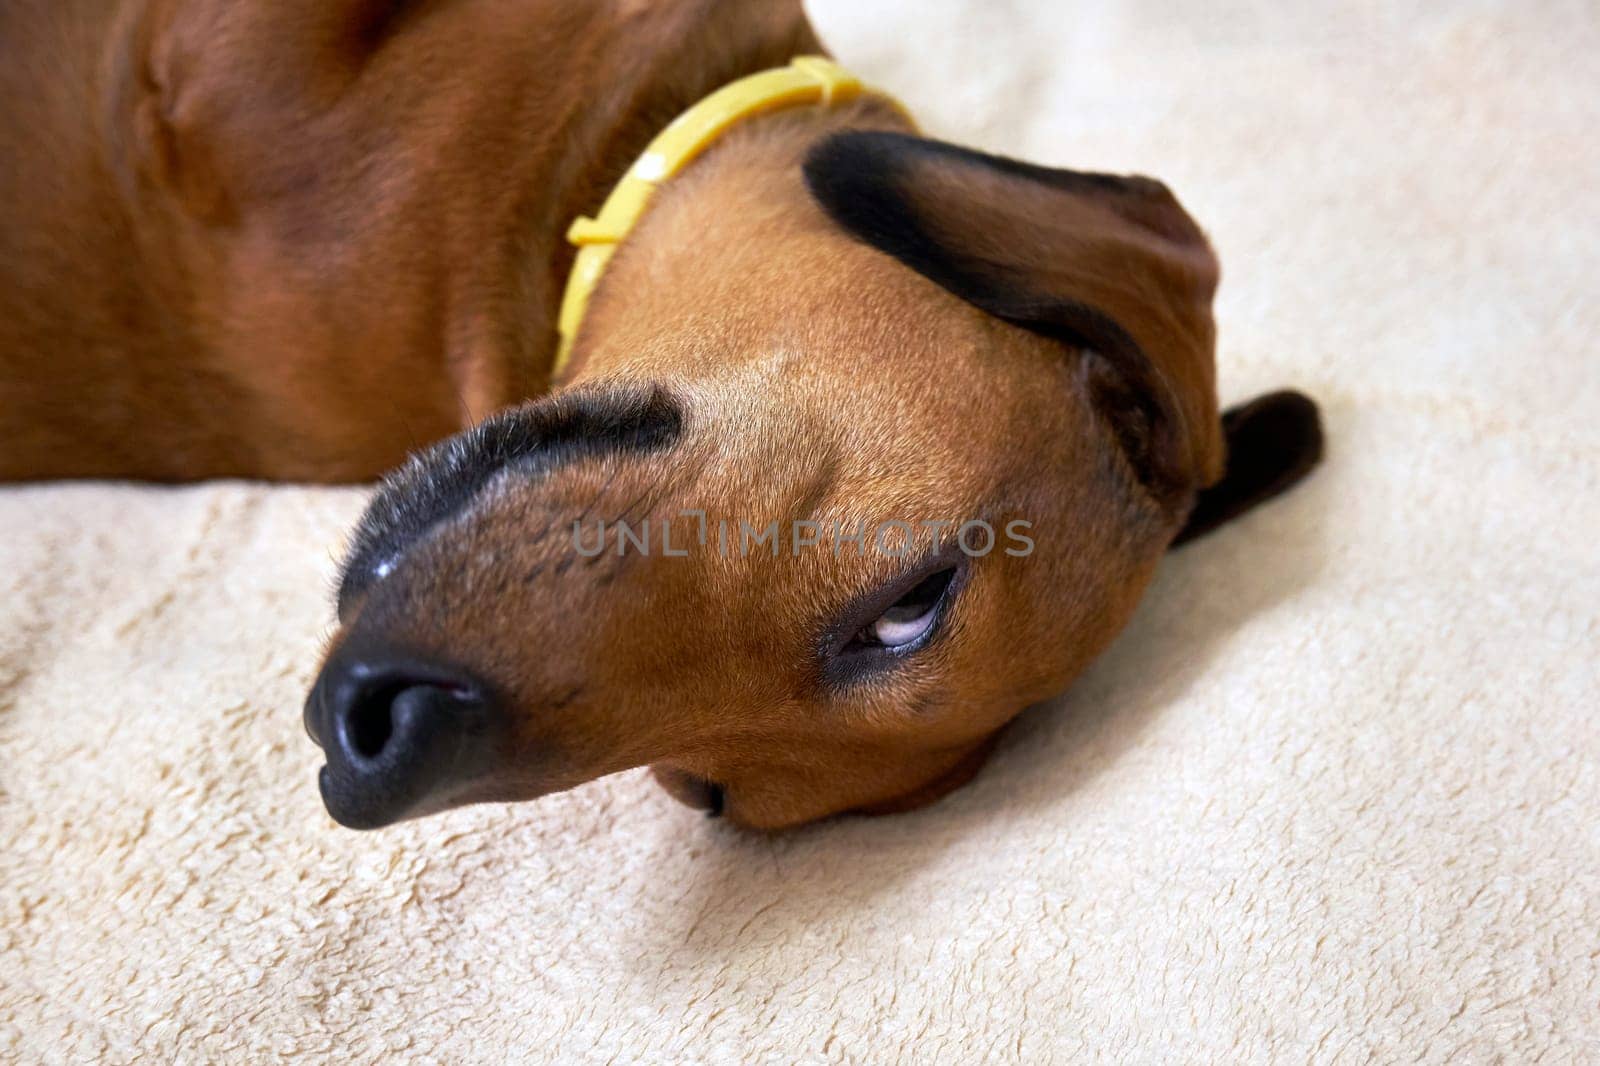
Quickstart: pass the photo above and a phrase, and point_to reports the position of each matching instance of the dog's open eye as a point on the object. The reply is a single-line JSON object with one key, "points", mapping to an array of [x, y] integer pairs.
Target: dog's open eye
{"points": [[892, 622], [912, 617]]}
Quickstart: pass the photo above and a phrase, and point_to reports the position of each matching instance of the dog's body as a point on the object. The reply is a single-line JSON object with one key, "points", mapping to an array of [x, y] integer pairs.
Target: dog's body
{"points": [[297, 239]]}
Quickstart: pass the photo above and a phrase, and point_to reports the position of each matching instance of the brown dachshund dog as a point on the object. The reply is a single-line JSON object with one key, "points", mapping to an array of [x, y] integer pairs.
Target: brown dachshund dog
{"points": [[868, 441]]}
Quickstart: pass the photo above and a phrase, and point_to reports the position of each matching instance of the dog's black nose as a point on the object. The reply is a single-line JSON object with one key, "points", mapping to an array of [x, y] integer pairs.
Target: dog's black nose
{"points": [[402, 737]]}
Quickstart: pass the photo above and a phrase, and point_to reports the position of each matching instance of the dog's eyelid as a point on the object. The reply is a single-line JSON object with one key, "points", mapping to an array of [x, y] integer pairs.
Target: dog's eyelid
{"points": [[850, 644]]}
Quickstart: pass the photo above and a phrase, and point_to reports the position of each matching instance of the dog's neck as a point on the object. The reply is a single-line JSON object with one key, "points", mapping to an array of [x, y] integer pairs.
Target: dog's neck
{"points": [[633, 106], [807, 81], [743, 206]]}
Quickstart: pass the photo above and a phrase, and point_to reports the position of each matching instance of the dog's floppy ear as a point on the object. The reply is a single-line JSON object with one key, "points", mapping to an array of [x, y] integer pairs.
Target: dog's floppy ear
{"points": [[1273, 442], [1110, 266]]}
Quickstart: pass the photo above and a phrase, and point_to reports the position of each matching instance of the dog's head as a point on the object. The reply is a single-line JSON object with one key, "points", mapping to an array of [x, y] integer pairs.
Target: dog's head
{"points": [[822, 508]]}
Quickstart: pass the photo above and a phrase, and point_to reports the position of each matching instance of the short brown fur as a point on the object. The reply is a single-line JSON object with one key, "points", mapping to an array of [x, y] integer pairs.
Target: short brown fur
{"points": [[296, 239]]}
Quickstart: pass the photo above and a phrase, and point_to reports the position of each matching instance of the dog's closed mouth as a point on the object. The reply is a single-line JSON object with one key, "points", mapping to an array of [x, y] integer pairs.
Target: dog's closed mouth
{"points": [[692, 791], [705, 795]]}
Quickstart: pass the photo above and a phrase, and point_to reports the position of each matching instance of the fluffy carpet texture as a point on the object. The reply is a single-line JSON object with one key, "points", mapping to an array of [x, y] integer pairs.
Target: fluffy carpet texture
{"points": [[1333, 797]]}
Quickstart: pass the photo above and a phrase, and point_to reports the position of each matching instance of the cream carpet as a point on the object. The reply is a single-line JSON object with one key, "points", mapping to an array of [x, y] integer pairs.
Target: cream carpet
{"points": [[1334, 797]]}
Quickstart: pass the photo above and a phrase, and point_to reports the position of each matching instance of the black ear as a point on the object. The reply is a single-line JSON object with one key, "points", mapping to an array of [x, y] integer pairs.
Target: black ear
{"points": [[1273, 442], [1110, 266]]}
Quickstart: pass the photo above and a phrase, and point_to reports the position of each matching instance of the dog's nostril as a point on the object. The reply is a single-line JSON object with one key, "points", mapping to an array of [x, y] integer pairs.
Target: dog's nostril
{"points": [[371, 724], [370, 721]]}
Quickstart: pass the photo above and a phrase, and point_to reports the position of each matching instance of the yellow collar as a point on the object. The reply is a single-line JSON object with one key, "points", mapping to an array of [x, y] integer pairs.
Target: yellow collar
{"points": [[806, 80]]}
